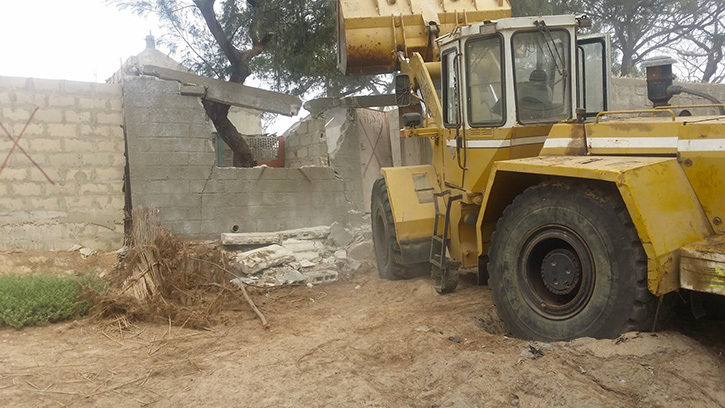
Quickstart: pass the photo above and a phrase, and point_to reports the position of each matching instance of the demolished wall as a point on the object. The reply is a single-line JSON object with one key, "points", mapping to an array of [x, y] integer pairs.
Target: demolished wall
{"points": [[173, 168], [61, 185]]}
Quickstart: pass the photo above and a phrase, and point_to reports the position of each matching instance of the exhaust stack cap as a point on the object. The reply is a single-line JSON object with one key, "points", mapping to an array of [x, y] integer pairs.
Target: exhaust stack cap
{"points": [[659, 79]]}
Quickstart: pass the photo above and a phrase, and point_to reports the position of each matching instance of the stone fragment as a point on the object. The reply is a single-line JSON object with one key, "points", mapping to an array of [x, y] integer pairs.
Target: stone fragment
{"points": [[341, 254], [339, 235], [362, 251], [257, 260]]}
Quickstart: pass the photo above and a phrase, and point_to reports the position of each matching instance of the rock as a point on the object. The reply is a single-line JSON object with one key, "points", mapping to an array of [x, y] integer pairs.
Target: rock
{"points": [[352, 265], [86, 252], [362, 251], [341, 254], [339, 235], [257, 260], [290, 277], [454, 339]]}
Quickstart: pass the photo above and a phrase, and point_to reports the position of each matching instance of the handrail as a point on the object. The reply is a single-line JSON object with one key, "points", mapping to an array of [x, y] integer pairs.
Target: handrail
{"points": [[708, 105], [623, 112]]}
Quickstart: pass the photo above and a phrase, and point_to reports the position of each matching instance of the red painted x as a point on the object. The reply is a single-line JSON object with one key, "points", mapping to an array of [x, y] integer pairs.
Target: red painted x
{"points": [[15, 144]]}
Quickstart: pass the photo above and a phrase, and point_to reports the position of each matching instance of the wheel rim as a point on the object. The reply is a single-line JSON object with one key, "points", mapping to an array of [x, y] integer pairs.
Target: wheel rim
{"points": [[556, 272], [380, 239]]}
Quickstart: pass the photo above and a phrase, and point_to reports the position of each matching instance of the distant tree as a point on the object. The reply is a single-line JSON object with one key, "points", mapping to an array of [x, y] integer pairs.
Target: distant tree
{"points": [[702, 50], [638, 28]]}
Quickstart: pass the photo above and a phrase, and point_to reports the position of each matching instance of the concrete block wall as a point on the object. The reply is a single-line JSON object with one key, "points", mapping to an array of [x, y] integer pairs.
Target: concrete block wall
{"points": [[173, 168], [631, 93], [74, 194], [306, 143]]}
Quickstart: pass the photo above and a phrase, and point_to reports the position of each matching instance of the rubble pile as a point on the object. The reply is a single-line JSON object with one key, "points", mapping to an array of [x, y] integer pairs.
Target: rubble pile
{"points": [[295, 257]]}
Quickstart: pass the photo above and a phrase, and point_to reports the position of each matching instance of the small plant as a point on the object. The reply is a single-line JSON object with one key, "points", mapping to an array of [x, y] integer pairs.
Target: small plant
{"points": [[31, 300]]}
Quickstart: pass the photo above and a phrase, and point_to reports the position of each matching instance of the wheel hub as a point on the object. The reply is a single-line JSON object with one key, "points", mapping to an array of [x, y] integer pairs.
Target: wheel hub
{"points": [[561, 271]]}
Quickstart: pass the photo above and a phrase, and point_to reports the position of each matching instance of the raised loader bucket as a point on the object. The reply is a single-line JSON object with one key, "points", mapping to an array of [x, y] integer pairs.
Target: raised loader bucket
{"points": [[370, 32]]}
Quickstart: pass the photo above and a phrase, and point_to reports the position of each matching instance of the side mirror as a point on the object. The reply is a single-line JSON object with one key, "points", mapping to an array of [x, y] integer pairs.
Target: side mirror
{"points": [[402, 90]]}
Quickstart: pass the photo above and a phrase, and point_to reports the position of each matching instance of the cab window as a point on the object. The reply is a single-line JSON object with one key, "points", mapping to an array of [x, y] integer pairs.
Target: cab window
{"points": [[484, 72], [451, 98], [541, 75]]}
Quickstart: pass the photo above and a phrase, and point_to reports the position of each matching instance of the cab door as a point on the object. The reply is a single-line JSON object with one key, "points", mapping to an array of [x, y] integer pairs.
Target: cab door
{"points": [[454, 120], [594, 61]]}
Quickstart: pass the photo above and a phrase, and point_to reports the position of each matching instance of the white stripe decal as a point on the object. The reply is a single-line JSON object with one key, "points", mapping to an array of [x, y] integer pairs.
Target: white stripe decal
{"points": [[500, 143], [701, 145], [557, 142], [632, 142]]}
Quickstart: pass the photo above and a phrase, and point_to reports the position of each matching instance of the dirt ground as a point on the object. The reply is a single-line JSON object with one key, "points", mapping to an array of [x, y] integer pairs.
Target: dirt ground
{"points": [[359, 342]]}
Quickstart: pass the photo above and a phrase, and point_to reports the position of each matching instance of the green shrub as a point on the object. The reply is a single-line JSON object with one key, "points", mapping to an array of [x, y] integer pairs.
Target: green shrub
{"points": [[28, 300]]}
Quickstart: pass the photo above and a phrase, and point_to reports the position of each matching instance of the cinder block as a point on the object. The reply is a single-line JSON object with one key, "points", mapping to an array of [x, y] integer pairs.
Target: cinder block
{"points": [[317, 277], [99, 104], [110, 90], [77, 117], [79, 145], [73, 87], [113, 118], [12, 174], [26, 189], [109, 146], [13, 204], [93, 188], [14, 114], [61, 101], [15, 83], [61, 131], [42, 145], [92, 130]]}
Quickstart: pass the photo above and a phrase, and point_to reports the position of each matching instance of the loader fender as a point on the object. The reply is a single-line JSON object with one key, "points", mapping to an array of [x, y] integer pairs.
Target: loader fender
{"points": [[659, 198], [410, 190]]}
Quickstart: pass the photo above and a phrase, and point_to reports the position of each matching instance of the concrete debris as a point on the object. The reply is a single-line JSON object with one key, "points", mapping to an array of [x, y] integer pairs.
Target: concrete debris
{"points": [[306, 264], [340, 236], [362, 251], [295, 257], [321, 276], [85, 252], [265, 238], [257, 260]]}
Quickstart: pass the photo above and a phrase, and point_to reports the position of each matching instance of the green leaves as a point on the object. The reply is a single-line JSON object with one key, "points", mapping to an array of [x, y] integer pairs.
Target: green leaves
{"points": [[31, 300]]}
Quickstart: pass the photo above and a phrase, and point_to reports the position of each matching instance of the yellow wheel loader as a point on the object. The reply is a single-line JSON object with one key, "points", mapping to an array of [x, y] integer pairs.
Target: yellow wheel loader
{"points": [[582, 218]]}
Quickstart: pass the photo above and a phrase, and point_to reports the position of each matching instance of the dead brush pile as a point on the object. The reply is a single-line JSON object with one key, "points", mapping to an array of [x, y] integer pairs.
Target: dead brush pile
{"points": [[170, 280]]}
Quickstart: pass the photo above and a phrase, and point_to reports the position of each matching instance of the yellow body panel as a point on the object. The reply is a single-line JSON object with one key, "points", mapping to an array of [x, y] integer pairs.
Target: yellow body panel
{"points": [[412, 205], [663, 206]]}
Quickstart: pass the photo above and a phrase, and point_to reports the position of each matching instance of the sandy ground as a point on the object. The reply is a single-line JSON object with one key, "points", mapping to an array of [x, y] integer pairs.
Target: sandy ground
{"points": [[363, 342]]}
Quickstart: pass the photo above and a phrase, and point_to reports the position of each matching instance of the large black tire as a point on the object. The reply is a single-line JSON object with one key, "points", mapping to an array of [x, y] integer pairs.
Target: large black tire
{"points": [[387, 249], [566, 262]]}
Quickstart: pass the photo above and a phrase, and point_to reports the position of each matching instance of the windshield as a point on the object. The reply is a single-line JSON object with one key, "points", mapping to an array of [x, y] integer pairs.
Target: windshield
{"points": [[541, 64]]}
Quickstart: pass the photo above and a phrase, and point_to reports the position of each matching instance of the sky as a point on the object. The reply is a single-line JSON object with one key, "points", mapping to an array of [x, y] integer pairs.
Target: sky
{"points": [[79, 40]]}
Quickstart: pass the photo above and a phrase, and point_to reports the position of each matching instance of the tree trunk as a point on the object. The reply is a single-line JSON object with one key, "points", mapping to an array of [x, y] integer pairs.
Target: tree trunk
{"points": [[218, 112], [627, 64]]}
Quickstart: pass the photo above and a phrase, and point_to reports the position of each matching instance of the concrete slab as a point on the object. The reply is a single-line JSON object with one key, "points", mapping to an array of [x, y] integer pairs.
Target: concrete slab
{"points": [[230, 93]]}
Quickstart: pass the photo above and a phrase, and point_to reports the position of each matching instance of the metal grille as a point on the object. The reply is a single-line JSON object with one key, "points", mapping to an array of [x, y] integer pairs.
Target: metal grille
{"points": [[264, 148]]}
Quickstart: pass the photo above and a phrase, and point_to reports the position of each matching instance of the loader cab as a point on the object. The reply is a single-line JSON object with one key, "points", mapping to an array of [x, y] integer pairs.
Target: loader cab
{"points": [[521, 72]]}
